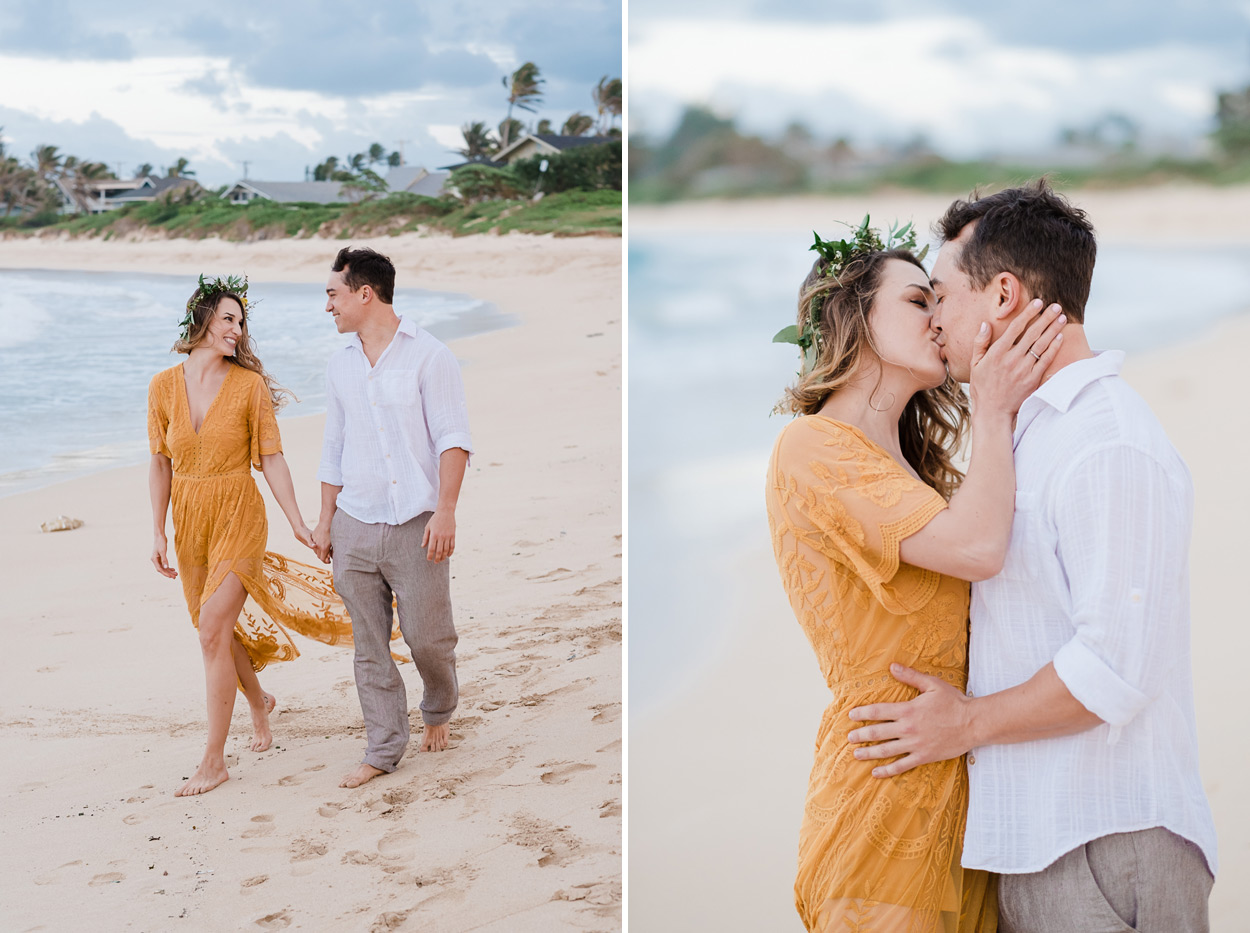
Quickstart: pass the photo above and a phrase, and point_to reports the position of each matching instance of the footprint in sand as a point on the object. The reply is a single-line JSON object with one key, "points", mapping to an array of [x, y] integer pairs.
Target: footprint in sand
{"points": [[304, 850], [299, 778], [563, 773], [254, 880], [54, 876], [397, 844], [264, 826], [279, 921], [356, 857], [609, 808], [111, 877], [131, 819]]}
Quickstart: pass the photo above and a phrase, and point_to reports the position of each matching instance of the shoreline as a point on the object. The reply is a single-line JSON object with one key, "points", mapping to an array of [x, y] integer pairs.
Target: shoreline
{"points": [[1193, 214], [517, 826]]}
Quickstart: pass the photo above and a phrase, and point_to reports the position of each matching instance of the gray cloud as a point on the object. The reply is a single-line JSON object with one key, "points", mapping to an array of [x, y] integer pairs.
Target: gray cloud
{"points": [[1069, 25], [95, 139], [322, 46], [57, 28]]}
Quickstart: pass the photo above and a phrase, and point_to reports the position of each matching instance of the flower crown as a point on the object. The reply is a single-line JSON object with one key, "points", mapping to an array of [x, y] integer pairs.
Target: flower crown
{"points": [[837, 255], [209, 291]]}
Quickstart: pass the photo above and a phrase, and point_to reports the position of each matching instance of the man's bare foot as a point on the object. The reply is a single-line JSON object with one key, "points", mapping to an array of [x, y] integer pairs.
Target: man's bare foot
{"points": [[362, 775], [206, 777], [434, 738], [262, 738]]}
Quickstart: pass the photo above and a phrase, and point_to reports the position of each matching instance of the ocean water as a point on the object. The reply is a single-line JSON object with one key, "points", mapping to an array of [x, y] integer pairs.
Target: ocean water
{"points": [[77, 350], [703, 378]]}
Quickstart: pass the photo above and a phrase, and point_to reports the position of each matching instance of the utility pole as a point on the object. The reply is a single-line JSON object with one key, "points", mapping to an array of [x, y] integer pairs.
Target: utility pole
{"points": [[245, 165], [401, 150]]}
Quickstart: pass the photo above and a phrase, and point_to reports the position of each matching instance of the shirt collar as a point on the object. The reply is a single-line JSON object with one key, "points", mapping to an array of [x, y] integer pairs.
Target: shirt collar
{"points": [[406, 326], [1061, 389]]}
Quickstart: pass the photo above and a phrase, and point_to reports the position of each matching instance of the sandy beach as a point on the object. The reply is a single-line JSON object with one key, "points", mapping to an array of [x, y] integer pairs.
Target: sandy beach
{"points": [[516, 827], [718, 774]]}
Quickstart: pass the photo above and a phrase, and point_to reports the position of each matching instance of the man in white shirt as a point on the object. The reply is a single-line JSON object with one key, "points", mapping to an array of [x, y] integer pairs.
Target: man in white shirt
{"points": [[395, 450], [1084, 791]]}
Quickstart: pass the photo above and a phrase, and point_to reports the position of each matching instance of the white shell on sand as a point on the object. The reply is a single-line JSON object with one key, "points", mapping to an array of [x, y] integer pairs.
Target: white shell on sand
{"points": [[61, 523]]}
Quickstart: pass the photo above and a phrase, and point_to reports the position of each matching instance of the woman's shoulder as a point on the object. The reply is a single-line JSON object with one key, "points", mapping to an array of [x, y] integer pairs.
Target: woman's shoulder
{"points": [[165, 379], [808, 433]]}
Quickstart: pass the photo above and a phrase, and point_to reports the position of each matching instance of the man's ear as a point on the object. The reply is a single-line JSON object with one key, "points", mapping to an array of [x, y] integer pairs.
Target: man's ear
{"points": [[1011, 295], [366, 294]]}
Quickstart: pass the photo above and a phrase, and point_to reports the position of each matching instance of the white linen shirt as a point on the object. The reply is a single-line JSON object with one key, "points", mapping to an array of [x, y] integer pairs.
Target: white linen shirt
{"points": [[388, 424], [1096, 579]]}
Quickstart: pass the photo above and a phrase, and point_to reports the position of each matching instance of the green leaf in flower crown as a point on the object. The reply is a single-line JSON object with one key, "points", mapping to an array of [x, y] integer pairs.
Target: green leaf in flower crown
{"points": [[787, 335], [923, 253], [809, 358]]}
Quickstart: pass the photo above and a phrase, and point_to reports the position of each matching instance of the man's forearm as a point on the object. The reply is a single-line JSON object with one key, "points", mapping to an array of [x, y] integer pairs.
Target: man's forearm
{"points": [[1040, 708], [329, 502], [451, 466]]}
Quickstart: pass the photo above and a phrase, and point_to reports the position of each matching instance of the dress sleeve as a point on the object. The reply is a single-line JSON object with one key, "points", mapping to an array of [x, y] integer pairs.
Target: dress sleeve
{"points": [[158, 418], [262, 423], [854, 504]]}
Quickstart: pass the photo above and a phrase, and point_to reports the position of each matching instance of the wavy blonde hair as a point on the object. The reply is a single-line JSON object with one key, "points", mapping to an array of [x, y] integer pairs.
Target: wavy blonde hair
{"points": [[932, 425], [202, 314]]}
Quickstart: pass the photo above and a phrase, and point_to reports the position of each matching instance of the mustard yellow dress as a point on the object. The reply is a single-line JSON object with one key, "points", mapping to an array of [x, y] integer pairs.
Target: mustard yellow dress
{"points": [[875, 854], [219, 516]]}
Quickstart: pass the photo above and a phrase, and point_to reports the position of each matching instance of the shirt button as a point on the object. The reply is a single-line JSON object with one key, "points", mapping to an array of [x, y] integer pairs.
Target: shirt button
{"points": [[394, 481], [972, 759], [1136, 597], [970, 693]]}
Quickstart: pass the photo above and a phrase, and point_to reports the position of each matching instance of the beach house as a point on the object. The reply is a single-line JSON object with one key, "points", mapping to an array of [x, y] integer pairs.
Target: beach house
{"points": [[287, 192], [547, 144]]}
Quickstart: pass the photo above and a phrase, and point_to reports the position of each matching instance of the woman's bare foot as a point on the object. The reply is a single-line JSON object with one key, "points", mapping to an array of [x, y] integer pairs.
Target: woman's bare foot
{"points": [[362, 775], [206, 777], [262, 738], [434, 738]]}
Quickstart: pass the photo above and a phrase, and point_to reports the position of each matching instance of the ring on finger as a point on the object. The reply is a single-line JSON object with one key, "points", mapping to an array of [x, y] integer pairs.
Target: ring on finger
{"points": [[1034, 355]]}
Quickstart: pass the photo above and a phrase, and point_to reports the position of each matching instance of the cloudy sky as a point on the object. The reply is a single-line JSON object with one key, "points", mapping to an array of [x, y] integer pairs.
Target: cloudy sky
{"points": [[284, 83], [973, 76]]}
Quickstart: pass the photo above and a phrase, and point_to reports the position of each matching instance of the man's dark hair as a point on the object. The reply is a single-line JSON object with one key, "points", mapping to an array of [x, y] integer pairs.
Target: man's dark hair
{"points": [[367, 267], [1031, 232]]}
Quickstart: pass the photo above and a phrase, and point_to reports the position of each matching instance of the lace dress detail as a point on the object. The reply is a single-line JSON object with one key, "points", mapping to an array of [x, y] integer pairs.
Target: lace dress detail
{"points": [[874, 854], [220, 525]]}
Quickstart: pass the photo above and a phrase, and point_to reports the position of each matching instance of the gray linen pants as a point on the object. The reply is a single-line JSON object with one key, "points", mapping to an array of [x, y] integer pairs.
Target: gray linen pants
{"points": [[372, 562], [1150, 881]]}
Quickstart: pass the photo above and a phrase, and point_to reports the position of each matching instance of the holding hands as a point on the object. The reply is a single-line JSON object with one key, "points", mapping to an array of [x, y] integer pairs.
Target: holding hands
{"points": [[1008, 371]]}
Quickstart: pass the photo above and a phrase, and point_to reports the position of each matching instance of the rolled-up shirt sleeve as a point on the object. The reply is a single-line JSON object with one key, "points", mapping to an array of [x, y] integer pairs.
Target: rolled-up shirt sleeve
{"points": [[443, 404], [331, 469], [1124, 525]]}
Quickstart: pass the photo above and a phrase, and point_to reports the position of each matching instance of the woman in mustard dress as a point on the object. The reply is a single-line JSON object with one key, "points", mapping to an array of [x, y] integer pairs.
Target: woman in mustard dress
{"points": [[210, 422], [875, 548]]}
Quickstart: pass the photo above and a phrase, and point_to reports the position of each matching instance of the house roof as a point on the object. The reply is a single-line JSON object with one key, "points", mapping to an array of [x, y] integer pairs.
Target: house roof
{"points": [[285, 192], [430, 184], [401, 176], [552, 141], [487, 162], [153, 187]]}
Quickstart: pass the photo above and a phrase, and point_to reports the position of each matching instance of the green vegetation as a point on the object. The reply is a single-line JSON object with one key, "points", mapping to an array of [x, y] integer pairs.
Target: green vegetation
{"points": [[707, 156], [572, 213]]}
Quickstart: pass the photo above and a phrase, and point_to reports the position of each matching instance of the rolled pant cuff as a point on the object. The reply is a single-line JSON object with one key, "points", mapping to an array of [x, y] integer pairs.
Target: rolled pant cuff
{"points": [[437, 719], [378, 763]]}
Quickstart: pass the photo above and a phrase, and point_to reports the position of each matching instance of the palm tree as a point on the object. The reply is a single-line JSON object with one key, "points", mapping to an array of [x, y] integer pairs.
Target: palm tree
{"points": [[524, 88], [377, 153], [179, 169], [607, 98], [478, 142], [47, 160], [544, 128], [512, 129], [143, 170], [577, 124]]}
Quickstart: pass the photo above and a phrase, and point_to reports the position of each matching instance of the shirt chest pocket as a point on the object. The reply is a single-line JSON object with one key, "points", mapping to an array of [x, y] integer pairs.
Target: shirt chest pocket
{"points": [[397, 389], [1027, 544]]}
